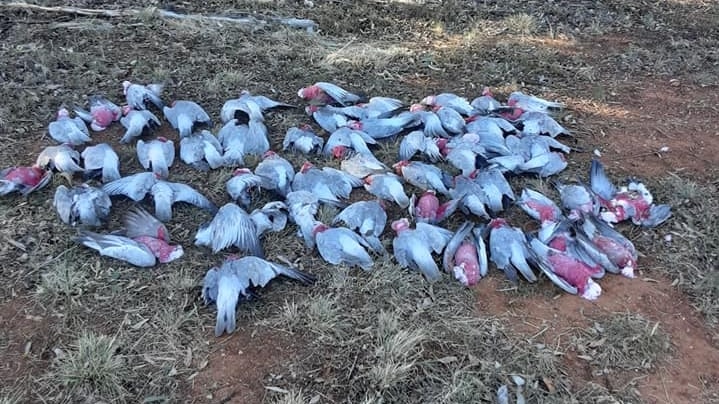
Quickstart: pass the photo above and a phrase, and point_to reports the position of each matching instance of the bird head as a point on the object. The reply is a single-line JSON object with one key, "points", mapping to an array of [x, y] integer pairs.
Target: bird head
{"points": [[311, 109], [125, 85], [269, 154], [368, 179], [309, 93], [319, 228], [429, 100], [416, 107], [497, 223], [354, 125], [241, 171], [442, 145], [306, 167], [126, 109], [487, 92], [305, 126], [175, 253], [339, 151], [63, 113], [399, 165], [162, 139], [400, 225]]}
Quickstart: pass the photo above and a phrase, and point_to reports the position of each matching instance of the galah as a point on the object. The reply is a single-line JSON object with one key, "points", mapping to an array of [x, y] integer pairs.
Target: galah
{"points": [[569, 273], [328, 183], [509, 250], [302, 207], [467, 158], [382, 128], [239, 140], [136, 122], [156, 155], [471, 196], [538, 123], [530, 103], [545, 164], [617, 248], [248, 106], [451, 120], [631, 201], [416, 142], [489, 126], [231, 226], [141, 246], [484, 104], [423, 176], [164, 193], [138, 95], [82, 205], [322, 93], [328, 119], [101, 161], [368, 218], [227, 284], [428, 208], [62, 158], [558, 235], [466, 255], [240, 184], [184, 114], [496, 190], [431, 125], [345, 138], [102, 114], [413, 247], [376, 107], [302, 139], [341, 246], [577, 198], [387, 187], [449, 100], [138, 222], [361, 165], [202, 151], [23, 179], [539, 207], [277, 172], [68, 130]]}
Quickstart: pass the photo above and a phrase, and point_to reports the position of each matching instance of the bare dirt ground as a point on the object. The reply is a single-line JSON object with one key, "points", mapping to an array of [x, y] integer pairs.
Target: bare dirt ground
{"points": [[640, 84]]}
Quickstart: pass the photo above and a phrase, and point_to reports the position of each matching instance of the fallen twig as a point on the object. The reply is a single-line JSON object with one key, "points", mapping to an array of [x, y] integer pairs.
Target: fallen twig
{"points": [[305, 24]]}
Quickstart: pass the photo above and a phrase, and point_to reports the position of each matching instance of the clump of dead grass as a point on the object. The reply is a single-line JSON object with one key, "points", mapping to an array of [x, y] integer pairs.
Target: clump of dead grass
{"points": [[65, 280], [624, 341], [92, 367], [689, 249], [521, 24]]}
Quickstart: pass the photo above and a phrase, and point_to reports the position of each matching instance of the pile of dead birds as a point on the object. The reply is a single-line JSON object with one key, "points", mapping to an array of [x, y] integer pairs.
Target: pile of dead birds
{"points": [[485, 141]]}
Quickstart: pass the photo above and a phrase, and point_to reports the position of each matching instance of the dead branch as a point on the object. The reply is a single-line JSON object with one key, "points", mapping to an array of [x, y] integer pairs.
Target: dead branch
{"points": [[254, 21]]}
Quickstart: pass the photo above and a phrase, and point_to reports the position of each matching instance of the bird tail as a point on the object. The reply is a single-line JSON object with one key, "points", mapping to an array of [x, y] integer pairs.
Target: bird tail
{"points": [[83, 114], [658, 214], [303, 277], [375, 244], [227, 297]]}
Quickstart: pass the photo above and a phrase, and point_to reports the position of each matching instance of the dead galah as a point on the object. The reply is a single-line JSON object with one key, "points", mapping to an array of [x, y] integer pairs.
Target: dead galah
{"points": [[509, 250], [302, 139], [528, 103], [328, 183], [568, 272], [138, 222], [633, 201], [202, 151], [137, 95], [227, 284], [377, 107], [62, 158], [164, 193], [538, 123], [496, 190], [368, 218], [617, 248], [322, 93], [233, 226], [471, 196], [428, 209], [68, 130], [241, 183], [466, 255], [102, 114], [484, 104], [23, 179], [431, 125], [577, 198], [136, 122], [423, 176], [416, 142], [413, 247], [277, 172], [82, 205], [558, 235], [248, 106], [382, 128], [101, 161], [449, 100], [302, 207], [451, 120], [344, 139], [156, 155], [139, 246], [539, 207], [388, 187], [362, 165], [341, 246], [183, 115], [328, 120], [239, 140]]}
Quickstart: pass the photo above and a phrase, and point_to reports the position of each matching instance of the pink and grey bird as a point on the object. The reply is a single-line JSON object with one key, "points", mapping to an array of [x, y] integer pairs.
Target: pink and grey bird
{"points": [[68, 130], [428, 208], [569, 273], [226, 285], [323, 93], [417, 142], [202, 151], [137, 122], [62, 158], [341, 246], [539, 207], [413, 247], [277, 172], [509, 250], [388, 187], [156, 155], [24, 180], [101, 161], [423, 176], [449, 100], [530, 103], [184, 115], [138, 95], [82, 205], [368, 218], [102, 114], [381, 128], [302, 139], [466, 255], [328, 183]]}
